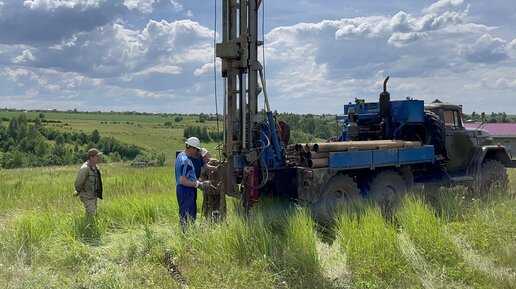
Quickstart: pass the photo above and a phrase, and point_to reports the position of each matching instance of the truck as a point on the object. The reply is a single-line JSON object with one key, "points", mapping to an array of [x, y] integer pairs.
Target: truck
{"points": [[385, 148]]}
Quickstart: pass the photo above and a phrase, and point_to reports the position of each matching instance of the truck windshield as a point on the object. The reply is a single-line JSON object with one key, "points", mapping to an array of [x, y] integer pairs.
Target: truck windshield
{"points": [[452, 118]]}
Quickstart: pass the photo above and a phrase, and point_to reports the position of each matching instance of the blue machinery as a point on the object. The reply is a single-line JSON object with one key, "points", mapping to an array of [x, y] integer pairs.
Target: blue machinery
{"points": [[255, 158]]}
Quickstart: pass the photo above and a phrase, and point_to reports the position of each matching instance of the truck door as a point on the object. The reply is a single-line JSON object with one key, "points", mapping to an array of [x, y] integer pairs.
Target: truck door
{"points": [[459, 144]]}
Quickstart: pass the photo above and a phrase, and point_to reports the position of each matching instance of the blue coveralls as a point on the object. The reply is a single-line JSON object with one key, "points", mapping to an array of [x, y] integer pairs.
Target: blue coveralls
{"points": [[198, 164], [186, 196]]}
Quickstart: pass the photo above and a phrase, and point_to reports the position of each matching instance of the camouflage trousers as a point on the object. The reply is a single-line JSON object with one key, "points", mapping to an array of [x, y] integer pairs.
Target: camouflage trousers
{"points": [[91, 208], [213, 205]]}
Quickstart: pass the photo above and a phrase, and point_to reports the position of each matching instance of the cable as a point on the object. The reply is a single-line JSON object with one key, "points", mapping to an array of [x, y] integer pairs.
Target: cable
{"points": [[263, 37], [215, 67], [263, 44]]}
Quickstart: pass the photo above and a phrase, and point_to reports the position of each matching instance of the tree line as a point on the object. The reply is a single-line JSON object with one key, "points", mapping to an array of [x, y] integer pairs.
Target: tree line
{"points": [[303, 128], [26, 145], [308, 127], [492, 118], [202, 133]]}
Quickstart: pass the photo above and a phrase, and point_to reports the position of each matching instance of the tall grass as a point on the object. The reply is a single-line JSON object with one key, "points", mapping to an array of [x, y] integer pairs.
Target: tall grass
{"points": [[450, 242], [428, 232], [373, 251]]}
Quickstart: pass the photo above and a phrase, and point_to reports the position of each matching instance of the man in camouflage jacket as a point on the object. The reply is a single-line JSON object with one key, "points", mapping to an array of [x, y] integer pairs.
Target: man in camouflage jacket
{"points": [[88, 183]]}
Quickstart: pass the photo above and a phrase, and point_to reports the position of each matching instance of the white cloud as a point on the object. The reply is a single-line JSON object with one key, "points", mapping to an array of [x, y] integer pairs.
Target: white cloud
{"points": [[206, 68], [144, 6], [154, 94], [15, 74], [176, 5], [148, 6], [158, 69], [442, 5], [485, 50], [25, 56], [55, 4], [400, 39], [142, 54], [31, 92], [503, 83]]}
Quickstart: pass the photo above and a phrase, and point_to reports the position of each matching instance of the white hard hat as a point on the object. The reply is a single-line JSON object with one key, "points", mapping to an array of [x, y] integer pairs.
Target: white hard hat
{"points": [[193, 142]]}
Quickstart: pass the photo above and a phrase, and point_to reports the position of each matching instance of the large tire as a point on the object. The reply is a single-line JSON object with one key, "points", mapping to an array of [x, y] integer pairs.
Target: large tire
{"points": [[493, 176], [386, 189], [435, 133], [338, 190]]}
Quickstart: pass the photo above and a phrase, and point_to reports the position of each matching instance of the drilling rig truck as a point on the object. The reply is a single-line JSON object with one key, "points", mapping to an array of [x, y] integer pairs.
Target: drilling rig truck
{"points": [[386, 147]]}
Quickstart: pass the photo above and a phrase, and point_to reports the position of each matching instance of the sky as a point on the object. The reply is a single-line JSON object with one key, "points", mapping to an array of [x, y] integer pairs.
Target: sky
{"points": [[158, 56]]}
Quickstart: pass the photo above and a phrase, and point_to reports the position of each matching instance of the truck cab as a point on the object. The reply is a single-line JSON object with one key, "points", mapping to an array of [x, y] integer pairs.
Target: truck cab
{"points": [[469, 152]]}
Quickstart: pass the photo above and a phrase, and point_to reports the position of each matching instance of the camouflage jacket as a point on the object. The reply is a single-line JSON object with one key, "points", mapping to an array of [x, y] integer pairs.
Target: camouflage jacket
{"points": [[88, 183]]}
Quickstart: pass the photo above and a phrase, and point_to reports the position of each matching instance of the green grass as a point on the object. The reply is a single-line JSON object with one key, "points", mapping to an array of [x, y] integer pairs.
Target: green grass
{"points": [[146, 131], [45, 243], [373, 251], [448, 240]]}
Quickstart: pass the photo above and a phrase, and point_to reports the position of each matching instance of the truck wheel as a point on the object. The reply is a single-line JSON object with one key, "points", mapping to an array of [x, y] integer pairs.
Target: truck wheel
{"points": [[386, 189], [338, 190], [435, 133], [493, 176]]}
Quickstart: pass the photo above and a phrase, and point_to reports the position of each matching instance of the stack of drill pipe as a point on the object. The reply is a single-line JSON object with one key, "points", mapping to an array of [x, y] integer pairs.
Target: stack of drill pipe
{"points": [[303, 158], [364, 145], [315, 155]]}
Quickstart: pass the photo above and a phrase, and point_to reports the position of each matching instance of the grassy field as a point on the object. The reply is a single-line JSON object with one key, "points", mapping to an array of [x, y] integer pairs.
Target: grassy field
{"points": [[443, 240], [449, 242], [146, 131]]}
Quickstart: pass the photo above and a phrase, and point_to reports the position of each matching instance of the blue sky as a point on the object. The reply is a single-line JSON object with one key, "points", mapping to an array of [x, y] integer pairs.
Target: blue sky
{"points": [[157, 55]]}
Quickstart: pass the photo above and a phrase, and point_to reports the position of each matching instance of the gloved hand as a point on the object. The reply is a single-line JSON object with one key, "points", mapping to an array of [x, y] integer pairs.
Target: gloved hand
{"points": [[202, 185]]}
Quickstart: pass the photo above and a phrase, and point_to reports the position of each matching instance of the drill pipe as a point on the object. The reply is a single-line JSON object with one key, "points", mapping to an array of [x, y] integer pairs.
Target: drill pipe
{"points": [[309, 147], [314, 155], [317, 163], [363, 145]]}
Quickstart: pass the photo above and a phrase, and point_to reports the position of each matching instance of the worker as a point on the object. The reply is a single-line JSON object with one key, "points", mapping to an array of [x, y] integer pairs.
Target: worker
{"points": [[88, 183], [213, 202], [187, 182]]}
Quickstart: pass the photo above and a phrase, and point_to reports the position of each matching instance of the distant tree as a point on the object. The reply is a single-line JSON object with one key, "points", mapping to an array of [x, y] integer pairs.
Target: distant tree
{"points": [[178, 119], [41, 115], [60, 139], [492, 118], [12, 129], [95, 136], [202, 117], [37, 122], [11, 160], [115, 157], [504, 117]]}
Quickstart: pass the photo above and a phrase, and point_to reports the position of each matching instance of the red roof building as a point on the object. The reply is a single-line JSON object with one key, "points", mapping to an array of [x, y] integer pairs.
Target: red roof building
{"points": [[505, 129], [502, 133]]}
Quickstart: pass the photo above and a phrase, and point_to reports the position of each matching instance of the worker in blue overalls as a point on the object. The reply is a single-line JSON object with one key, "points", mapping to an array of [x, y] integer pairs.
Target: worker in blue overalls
{"points": [[187, 182]]}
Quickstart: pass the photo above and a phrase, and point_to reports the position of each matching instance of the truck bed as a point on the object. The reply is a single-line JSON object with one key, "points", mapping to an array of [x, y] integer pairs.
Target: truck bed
{"points": [[380, 158]]}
